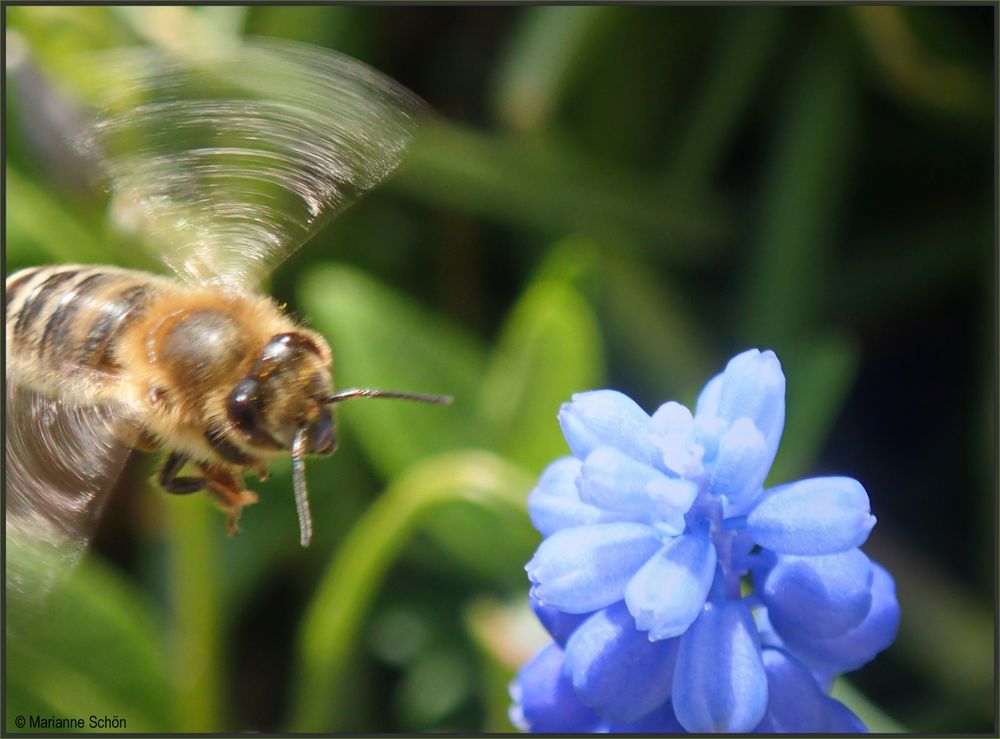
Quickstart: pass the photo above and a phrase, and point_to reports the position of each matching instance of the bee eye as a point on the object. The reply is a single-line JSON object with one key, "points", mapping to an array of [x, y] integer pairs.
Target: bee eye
{"points": [[243, 406], [320, 439], [284, 346]]}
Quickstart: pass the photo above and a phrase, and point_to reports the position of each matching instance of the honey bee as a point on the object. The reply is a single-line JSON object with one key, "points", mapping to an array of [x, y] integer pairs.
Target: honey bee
{"points": [[223, 164]]}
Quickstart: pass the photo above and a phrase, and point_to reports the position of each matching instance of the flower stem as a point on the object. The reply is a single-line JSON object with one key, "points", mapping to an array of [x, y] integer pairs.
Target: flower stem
{"points": [[197, 617]]}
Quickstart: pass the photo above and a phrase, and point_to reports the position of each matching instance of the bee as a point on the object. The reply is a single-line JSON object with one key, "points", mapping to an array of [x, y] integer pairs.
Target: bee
{"points": [[222, 163]]}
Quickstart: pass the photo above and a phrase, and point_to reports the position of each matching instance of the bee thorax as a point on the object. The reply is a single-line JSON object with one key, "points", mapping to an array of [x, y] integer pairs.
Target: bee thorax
{"points": [[200, 346]]}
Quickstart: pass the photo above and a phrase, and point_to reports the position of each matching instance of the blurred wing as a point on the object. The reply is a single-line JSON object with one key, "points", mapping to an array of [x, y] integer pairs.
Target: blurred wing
{"points": [[227, 162], [62, 461]]}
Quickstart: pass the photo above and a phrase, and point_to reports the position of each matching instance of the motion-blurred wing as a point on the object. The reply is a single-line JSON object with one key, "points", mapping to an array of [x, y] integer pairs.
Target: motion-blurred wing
{"points": [[62, 461], [229, 161]]}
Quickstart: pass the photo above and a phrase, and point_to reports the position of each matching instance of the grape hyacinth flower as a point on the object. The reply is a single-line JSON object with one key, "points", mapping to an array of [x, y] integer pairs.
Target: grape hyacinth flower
{"points": [[680, 594]]}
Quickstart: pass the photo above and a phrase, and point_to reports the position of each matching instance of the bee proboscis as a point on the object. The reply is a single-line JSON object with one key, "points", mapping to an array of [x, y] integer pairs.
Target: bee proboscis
{"points": [[225, 163]]}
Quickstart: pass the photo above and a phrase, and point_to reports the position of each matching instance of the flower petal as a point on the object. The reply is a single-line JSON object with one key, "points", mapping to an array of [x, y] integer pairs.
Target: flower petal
{"points": [[587, 568], [708, 431], [612, 480], [821, 515], [858, 646], [668, 593], [818, 596], [670, 419], [795, 702], [842, 719], [555, 503], [742, 461], [671, 430], [606, 418], [660, 721], [544, 699], [719, 680], [753, 386], [708, 399], [615, 669], [559, 625]]}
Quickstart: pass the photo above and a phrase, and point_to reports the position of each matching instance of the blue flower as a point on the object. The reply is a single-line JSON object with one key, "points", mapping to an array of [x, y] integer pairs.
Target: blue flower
{"points": [[681, 595]]}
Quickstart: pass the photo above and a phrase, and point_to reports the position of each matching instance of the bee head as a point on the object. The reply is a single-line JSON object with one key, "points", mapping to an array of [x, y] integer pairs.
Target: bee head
{"points": [[285, 400], [284, 395]]}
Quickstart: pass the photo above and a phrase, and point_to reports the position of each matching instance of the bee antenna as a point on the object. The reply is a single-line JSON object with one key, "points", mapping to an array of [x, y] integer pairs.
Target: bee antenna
{"points": [[299, 485], [358, 392]]}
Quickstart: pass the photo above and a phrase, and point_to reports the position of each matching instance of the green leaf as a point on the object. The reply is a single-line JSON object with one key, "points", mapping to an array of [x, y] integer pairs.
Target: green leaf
{"points": [[381, 339], [348, 29], [539, 60], [960, 668], [743, 49], [40, 229], [820, 376], [653, 326], [330, 628], [916, 70], [803, 196], [199, 27], [549, 349], [647, 318], [876, 721], [91, 647], [488, 546], [552, 188], [576, 261], [58, 35], [196, 612]]}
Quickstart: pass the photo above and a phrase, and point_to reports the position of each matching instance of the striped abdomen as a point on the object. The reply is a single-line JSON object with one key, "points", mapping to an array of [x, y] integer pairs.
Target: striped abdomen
{"points": [[64, 321]]}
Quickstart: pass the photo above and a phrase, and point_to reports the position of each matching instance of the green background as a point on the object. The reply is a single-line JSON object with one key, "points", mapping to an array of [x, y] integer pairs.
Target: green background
{"points": [[612, 197]]}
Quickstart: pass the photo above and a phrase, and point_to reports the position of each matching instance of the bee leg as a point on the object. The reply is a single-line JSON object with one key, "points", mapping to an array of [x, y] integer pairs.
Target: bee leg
{"points": [[226, 487], [173, 484]]}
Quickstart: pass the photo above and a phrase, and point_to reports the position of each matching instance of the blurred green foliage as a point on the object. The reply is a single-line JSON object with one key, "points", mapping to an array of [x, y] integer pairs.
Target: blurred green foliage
{"points": [[619, 197]]}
